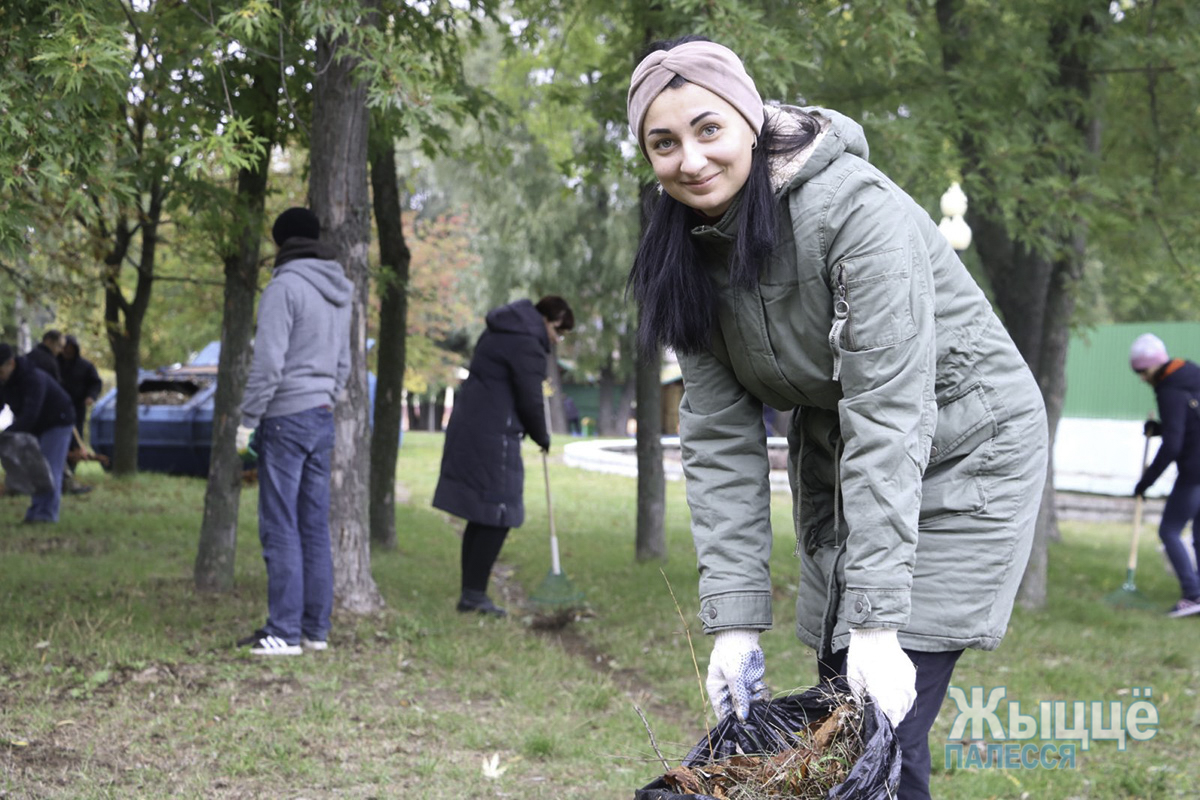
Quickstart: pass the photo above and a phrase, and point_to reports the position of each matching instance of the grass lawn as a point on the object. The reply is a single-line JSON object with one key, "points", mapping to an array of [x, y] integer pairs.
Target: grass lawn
{"points": [[118, 680]]}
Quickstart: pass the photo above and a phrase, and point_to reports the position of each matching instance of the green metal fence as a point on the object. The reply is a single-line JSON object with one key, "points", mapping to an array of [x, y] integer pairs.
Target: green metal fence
{"points": [[1100, 384]]}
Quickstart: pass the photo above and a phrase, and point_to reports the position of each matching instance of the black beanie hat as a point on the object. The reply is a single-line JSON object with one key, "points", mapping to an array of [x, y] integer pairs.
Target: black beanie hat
{"points": [[296, 222], [6, 352]]}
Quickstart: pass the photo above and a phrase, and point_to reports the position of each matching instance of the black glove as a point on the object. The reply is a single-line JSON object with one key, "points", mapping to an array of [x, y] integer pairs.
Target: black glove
{"points": [[545, 446], [1140, 489], [1152, 428]]}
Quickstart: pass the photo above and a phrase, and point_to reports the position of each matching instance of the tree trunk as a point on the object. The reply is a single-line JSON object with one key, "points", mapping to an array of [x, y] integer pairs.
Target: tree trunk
{"points": [[625, 405], [413, 402], [125, 368], [123, 320], [651, 496], [125, 431], [439, 409], [338, 195], [394, 257], [214, 568], [652, 489], [427, 412], [1051, 374], [604, 394], [1035, 295]]}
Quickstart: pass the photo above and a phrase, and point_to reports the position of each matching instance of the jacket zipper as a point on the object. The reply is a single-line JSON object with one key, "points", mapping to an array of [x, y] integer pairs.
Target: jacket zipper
{"points": [[841, 310], [797, 522]]}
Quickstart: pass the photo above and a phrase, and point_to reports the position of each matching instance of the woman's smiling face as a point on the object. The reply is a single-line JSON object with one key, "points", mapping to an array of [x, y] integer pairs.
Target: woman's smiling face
{"points": [[700, 147]]}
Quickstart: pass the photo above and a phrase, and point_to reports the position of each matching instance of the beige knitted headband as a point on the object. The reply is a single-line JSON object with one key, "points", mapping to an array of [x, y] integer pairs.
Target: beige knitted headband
{"points": [[706, 64]]}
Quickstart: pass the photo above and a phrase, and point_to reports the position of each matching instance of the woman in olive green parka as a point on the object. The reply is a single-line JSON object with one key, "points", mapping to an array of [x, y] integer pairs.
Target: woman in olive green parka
{"points": [[786, 270]]}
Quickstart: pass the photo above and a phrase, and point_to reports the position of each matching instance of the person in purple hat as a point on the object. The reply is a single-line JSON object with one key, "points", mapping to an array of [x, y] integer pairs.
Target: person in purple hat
{"points": [[1176, 385]]}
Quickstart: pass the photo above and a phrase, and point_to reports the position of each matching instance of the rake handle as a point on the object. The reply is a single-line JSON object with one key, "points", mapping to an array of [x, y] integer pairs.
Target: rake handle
{"points": [[555, 566], [1137, 512]]}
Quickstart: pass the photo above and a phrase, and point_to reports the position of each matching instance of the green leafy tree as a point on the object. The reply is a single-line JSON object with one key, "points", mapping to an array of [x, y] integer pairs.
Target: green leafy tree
{"points": [[256, 94], [434, 95], [112, 165]]}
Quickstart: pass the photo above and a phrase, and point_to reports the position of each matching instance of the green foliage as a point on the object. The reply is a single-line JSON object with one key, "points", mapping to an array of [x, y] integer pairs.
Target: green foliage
{"points": [[61, 68], [443, 264], [1148, 245], [230, 144], [1017, 96]]}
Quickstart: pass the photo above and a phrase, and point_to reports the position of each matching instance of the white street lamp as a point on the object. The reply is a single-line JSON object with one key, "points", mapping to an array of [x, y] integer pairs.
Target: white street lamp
{"points": [[953, 226]]}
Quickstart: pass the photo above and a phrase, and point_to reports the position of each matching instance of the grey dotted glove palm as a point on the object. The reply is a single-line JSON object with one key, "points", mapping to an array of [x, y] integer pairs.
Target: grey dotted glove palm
{"points": [[735, 672]]}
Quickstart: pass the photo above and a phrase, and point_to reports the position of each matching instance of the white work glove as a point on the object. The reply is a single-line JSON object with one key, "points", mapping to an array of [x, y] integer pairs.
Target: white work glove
{"points": [[244, 435], [735, 672], [876, 665]]}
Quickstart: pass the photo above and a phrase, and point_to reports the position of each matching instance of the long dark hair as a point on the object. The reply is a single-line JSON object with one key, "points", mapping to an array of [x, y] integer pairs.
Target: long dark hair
{"points": [[677, 298]]}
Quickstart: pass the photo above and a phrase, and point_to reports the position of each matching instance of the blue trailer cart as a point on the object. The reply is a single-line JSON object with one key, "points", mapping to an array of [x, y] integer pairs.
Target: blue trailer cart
{"points": [[175, 415]]}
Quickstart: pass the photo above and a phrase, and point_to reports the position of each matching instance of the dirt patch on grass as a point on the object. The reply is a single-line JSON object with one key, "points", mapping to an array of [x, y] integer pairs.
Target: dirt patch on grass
{"points": [[54, 545], [562, 629], [41, 767]]}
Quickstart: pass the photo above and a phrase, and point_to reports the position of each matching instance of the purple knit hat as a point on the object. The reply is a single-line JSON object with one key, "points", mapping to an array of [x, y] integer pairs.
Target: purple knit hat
{"points": [[1147, 352]]}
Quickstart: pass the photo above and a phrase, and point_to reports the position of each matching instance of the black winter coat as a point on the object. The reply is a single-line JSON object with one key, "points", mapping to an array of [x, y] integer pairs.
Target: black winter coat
{"points": [[1177, 389], [483, 477], [37, 401], [81, 380], [41, 357]]}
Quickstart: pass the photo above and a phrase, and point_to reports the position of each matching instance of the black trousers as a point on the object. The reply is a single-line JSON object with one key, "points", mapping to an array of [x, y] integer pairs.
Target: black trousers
{"points": [[933, 678], [480, 547]]}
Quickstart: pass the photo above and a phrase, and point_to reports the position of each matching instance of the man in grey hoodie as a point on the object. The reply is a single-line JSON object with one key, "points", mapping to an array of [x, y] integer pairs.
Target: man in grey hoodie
{"points": [[301, 362]]}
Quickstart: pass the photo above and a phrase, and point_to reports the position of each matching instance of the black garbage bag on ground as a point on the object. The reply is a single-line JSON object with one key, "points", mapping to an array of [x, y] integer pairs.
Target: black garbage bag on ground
{"points": [[768, 730], [25, 468]]}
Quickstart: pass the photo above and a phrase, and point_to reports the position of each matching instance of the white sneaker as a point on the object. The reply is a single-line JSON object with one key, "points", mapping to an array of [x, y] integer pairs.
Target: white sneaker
{"points": [[1184, 608], [267, 645], [309, 644]]}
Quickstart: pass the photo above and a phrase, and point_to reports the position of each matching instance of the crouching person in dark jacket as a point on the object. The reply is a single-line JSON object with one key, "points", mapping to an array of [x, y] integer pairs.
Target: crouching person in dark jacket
{"points": [[40, 407], [483, 478]]}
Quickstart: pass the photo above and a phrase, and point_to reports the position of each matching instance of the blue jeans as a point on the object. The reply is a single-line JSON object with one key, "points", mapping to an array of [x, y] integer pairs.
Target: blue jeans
{"points": [[1183, 506], [294, 453], [53, 444]]}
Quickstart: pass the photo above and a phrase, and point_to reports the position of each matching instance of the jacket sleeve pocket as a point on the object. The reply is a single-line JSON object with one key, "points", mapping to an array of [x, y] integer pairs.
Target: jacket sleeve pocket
{"points": [[878, 294]]}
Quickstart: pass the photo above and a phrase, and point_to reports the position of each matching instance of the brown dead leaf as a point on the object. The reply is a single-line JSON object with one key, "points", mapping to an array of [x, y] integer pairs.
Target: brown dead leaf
{"points": [[683, 780], [828, 728]]}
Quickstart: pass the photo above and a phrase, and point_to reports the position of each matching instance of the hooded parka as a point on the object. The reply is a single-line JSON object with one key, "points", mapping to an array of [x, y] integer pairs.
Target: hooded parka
{"points": [[917, 446], [1177, 390], [483, 477]]}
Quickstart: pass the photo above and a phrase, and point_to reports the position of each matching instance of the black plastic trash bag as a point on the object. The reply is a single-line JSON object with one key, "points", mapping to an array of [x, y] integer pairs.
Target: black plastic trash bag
{"points": [[873, 777], [25, 468]]}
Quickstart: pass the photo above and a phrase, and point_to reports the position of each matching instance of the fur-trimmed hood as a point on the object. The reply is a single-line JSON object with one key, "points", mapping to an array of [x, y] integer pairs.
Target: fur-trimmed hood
{"points": [[839, 134]]}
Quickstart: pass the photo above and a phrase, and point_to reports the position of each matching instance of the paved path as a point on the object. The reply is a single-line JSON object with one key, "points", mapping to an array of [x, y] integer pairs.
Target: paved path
{"points": [[1096, 464]]}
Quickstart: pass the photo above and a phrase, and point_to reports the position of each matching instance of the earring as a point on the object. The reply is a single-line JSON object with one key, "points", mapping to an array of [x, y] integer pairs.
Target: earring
{"points": [[755, 145]]}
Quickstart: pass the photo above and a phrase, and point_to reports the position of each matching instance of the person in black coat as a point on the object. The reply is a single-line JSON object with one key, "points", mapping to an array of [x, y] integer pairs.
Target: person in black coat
{"points": [[1176, 385], [81, 380], [45, 355], [40, 407], [482, 475]]}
